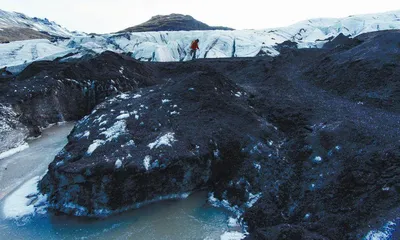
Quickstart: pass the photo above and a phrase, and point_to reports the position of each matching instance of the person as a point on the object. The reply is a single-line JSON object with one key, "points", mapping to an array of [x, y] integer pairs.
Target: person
{"points": [[193, 48]]}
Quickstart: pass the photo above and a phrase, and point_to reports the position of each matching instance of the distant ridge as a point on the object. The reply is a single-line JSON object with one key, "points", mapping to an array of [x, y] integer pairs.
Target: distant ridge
{"points": [[18, 26], [172, 22]]}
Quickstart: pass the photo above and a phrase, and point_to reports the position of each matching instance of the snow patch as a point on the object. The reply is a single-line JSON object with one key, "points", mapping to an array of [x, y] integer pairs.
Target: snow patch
{"points": [[25, 201], [115, 130], [233, 236], [122, 116], [318, 159], [253, 199], [137, 96], [233, 222], [146, 162], [123, 96], [118, 163], [165, 101], [257, 166], [86, 134], [384, 234], [224, 204], [167, 139], [14, 150], [96, 143]]}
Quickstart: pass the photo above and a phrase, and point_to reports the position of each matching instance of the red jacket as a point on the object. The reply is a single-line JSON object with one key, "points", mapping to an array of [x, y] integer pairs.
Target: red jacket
{"points": [[194, 45]]}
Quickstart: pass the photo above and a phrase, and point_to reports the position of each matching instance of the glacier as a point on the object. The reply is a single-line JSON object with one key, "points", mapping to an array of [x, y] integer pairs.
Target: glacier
{"points": [[174, 46]]}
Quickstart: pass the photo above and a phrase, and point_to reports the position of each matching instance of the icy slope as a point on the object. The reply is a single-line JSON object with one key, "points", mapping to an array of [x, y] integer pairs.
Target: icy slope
{"points": [[17, 55], [173, 46], [14, 19]]}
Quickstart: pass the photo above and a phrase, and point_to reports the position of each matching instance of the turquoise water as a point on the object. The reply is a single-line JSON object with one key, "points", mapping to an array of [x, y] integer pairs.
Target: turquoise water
{"points": [[191, 218]]}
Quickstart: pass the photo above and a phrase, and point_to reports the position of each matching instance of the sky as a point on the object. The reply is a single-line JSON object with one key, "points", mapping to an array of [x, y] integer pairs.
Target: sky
{"points": [[105, 16]]}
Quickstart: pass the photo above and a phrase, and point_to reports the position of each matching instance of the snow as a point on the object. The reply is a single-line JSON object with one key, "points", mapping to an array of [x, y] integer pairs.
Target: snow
{"points": [[18, 205], [123, 96], [86, 134], [225, 204], [146, 162], [233, 236], [233, 222], [123, 116], [167, 140], [14, 151], [253, 199], [384, 234], [111, 133], [137, 96], [165, 101], [96, 143], [317, 159], [118, 163], [115, 130]]}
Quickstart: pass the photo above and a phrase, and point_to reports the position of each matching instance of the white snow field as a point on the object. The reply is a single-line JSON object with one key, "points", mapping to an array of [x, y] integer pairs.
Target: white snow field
{"points": [[173, 46]]}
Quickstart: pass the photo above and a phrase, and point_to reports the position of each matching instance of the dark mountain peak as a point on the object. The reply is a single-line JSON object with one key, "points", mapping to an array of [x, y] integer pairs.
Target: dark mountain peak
{"points": [[172, 22], [173, 16]]}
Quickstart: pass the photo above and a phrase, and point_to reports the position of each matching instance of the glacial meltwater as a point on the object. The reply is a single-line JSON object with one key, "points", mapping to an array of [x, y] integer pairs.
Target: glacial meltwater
{"points": [[191, 218]]}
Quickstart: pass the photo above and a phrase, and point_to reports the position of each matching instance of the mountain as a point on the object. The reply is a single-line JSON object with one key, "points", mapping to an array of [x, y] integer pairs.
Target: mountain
{"points": [[172, 22], [17, 34], [17, 26]]}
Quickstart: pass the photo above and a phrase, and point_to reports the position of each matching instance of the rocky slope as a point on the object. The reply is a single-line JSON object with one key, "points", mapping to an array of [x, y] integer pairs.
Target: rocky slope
{"points": [[16, 34], [299, 151], [172, 22], [50, 92]]}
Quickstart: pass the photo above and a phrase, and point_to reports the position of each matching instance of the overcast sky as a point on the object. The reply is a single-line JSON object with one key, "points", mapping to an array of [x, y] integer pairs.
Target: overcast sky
{"points": [[104, 16]]}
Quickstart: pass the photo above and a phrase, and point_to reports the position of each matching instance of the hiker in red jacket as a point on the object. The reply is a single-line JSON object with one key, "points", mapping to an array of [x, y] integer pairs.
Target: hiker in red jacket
{"points": [[193, 48]]}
